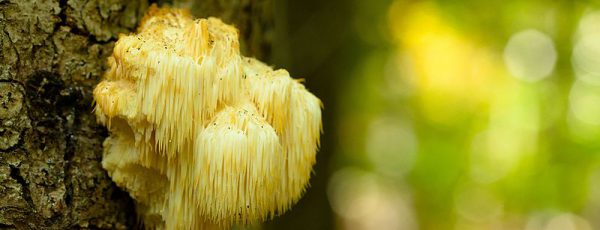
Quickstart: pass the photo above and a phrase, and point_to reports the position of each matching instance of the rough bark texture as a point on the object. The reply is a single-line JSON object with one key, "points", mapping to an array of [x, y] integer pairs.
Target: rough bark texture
{"points": [[52, 55]]}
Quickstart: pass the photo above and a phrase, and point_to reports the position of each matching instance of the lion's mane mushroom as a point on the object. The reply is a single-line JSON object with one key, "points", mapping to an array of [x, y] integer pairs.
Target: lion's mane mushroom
{"points": [[201, 136]]}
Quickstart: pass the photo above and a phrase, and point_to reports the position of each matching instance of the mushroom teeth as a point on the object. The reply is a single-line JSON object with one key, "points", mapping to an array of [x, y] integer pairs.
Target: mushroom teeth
{"points": [[200, 136]]}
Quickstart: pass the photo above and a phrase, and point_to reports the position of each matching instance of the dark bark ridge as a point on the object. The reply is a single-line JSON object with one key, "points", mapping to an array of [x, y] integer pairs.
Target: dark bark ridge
{"points": [[50, 145]]}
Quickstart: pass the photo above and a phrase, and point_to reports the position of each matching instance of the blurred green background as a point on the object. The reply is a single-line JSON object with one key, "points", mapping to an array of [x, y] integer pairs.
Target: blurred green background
{"points": [[448, 114]]}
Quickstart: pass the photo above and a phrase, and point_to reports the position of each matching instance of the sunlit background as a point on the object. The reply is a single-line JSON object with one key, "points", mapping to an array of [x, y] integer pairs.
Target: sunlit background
{"points": [[449, 114]]}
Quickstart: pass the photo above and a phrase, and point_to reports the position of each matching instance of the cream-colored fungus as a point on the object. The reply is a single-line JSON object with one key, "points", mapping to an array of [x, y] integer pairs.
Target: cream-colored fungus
{"points": [[200, 136]]}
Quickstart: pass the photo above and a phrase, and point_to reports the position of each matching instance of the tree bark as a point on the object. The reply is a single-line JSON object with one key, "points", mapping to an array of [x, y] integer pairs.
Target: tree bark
{"points": [[52, 55]]}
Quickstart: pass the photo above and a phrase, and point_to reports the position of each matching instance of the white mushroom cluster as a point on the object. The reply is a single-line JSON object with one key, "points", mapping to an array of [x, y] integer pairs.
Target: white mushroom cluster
{"points": [[200, 136]]}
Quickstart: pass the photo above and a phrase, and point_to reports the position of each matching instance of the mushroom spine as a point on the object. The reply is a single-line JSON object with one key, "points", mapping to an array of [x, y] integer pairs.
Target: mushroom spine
{"points": [[201, 136]]}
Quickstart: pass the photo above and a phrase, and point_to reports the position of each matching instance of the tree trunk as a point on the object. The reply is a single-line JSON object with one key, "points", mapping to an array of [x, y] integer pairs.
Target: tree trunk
{"points": [[52, 55]]}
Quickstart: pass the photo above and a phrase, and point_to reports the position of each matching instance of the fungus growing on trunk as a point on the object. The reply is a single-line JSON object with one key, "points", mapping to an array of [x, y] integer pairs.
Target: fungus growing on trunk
{"points": [[201, 136]]}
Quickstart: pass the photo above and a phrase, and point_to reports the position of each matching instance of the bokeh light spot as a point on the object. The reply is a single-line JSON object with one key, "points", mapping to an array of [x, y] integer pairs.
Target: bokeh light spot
{"points": [[363, 201], [391, 146], [586, 53], [585, 102], [478, 204], [530, 55]]}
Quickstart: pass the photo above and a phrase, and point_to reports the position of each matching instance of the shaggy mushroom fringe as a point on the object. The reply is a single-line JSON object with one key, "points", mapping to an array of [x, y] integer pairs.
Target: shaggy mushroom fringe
{"points": [[202, 137]]}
